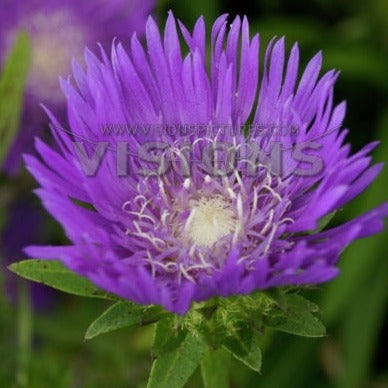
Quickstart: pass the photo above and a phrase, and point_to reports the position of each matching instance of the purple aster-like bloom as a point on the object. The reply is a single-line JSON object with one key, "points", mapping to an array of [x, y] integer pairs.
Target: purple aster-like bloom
{"points": [[189, 233], [59, 31]]}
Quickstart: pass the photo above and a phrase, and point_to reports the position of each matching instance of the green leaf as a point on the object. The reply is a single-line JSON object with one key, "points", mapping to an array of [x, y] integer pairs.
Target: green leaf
{"points": [[54, 274], [168, 336], [244, 346], [12, 83], [173, 368], [294, 316], [298, 303], [362, 326], [124, 314], [214, 368]]}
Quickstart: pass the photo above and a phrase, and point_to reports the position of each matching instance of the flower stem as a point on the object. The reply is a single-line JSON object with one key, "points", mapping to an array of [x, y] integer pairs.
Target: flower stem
{"points": [[24, 335]]}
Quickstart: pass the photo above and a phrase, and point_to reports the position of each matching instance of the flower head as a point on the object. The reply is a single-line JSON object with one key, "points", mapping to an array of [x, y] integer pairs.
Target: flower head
{"points": [[58, 32], [222, 183]]}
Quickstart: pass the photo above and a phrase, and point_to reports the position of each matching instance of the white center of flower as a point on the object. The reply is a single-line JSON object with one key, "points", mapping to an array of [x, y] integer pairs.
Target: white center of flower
{"points": [[209, 220]]}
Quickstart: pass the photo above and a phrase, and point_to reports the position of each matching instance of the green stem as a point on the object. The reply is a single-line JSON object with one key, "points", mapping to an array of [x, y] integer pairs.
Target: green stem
{"points": [[24, 334]]}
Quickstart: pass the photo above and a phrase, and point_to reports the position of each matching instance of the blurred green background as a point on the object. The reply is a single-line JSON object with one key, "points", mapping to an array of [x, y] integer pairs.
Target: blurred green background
{"points": [[354, 38]]}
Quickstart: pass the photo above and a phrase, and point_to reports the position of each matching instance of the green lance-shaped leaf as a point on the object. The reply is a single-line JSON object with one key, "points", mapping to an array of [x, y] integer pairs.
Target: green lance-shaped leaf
{"points": [[54, 274], [124, 314], [294, 316], [177, 356], [168, 336], [244, 346], [297, 303], [12, 83], [214, 368]]}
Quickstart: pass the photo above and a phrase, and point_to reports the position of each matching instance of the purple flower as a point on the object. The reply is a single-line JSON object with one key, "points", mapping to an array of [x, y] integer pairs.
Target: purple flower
{"points": [[171, 226], [59, 31]]}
